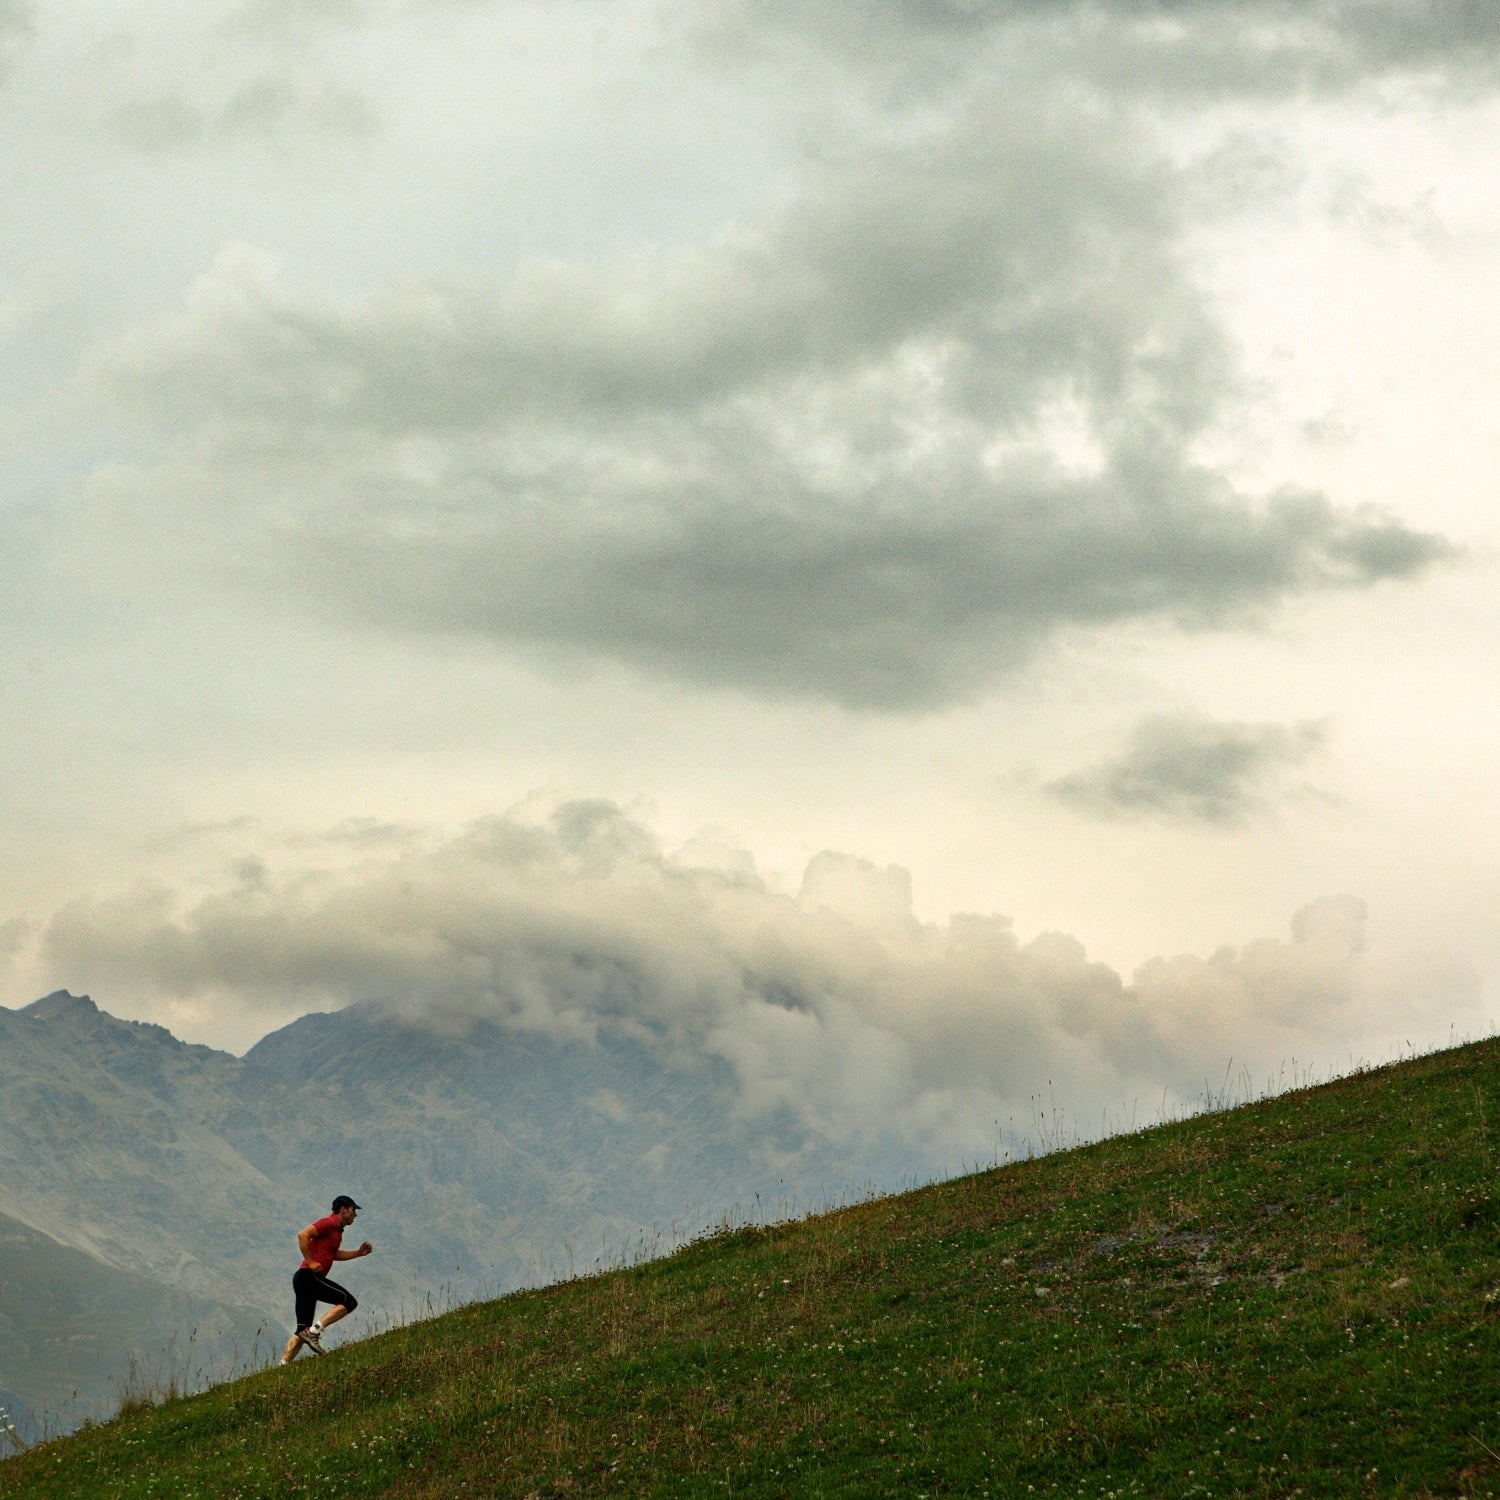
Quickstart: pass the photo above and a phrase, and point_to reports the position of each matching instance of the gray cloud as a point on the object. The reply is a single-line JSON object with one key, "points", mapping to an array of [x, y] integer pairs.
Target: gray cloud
{"points": [[17, 21], [259, 16], [881, 447], [277, 18], [1153, 48], [1192, 770], [158, 123], [263, 108], [837, 1005], [15, 932], [1022, 257]]}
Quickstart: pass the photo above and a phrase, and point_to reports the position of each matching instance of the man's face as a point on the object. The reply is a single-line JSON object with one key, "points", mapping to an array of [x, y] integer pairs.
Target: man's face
{"points": [[348, 1215]]}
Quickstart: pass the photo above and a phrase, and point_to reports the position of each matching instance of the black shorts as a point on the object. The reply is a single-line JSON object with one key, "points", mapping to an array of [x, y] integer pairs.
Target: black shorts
{"points": [[312, 1287]]}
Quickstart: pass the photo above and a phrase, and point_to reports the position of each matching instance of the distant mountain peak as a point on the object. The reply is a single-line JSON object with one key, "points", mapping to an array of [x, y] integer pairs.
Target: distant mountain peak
{"points": [[78, 1016], [59, 1003]]}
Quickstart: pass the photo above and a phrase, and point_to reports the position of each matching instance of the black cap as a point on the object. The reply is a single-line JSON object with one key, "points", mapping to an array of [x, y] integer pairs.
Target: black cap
{"points": [[343, 1201]]}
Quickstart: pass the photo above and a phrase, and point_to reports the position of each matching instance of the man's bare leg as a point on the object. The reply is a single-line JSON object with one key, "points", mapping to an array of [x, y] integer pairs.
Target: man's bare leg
{"points": [[317, 1327], [294, 1344]]}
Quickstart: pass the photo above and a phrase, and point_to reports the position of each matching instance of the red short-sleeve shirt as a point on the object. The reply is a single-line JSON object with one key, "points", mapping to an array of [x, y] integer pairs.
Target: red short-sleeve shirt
{"points": [[327, 1236]]}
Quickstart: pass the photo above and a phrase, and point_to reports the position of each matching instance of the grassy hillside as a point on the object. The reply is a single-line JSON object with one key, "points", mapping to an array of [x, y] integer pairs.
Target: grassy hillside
{"points": [[1297, 1297]]}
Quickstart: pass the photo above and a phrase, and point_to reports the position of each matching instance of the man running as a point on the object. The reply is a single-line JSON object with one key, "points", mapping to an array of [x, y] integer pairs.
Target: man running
{"points": [[319, 1244]]}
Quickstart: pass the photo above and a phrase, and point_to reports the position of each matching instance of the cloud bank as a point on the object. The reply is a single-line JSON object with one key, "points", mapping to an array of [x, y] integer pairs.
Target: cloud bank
{"points": [[880, 442], [836, 1005]]}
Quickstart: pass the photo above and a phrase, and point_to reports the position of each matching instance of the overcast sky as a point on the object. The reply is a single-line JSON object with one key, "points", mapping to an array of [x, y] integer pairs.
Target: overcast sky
{"points": [[922, 462]]}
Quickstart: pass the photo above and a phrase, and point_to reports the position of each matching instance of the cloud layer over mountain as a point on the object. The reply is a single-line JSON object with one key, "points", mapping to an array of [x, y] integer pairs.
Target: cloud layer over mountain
{"points": [[836, 1005]]}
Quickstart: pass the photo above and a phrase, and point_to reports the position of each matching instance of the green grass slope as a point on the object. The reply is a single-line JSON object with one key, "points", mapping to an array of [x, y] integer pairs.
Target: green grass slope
{"points": [[1291, 1298]]}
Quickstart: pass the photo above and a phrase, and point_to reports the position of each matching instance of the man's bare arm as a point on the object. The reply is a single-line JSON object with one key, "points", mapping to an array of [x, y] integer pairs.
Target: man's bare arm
{"points": [[365, 1249], [304, 1241]]}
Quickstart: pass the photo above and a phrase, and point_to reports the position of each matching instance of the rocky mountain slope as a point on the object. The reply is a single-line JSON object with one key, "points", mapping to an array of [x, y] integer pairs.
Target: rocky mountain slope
{"points": [[70, 1327]]}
